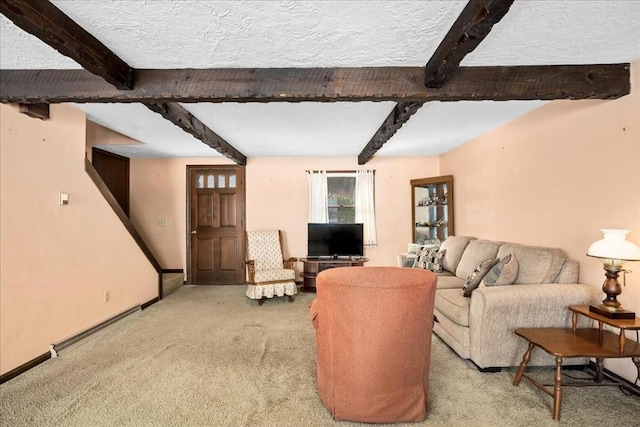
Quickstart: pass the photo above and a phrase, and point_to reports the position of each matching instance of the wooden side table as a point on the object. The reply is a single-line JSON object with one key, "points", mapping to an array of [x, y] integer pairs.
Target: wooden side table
{"points": [[622, 324], [584, 342]]}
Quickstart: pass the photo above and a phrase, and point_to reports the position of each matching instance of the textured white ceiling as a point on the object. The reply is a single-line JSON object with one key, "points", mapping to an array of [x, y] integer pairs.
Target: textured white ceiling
{"points": [[202, 34]]}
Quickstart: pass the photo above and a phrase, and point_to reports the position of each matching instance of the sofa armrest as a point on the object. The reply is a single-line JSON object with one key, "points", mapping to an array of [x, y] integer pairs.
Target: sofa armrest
{"points": [[495, 312]]}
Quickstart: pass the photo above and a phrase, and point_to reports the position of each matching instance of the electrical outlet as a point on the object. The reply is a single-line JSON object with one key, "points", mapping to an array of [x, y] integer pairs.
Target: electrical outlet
{"points": [[107, 296]]}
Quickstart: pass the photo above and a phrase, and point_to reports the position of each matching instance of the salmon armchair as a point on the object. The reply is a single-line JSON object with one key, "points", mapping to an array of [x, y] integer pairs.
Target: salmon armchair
{"points": [[269, 274], [373, 342]]}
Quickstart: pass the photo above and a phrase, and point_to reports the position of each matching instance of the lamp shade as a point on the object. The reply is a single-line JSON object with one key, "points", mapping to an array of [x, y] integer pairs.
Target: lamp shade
{"points": [[614, 246]]}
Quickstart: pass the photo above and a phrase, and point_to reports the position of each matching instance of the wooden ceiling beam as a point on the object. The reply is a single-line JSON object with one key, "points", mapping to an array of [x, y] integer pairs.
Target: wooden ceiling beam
{"points": [[36, 111], [472, 26], [45, 21], [182, 118], [52, 26], [394, 121], [538, 82]]}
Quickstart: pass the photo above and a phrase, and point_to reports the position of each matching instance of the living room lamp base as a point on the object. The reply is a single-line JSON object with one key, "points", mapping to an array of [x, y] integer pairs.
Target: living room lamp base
{"points": [[614, 250], [619, 313], [610, 306]]}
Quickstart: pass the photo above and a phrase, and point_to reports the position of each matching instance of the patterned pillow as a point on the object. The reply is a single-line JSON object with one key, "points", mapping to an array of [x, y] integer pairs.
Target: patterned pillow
{"points": [[477, 275], [503, 273], [430, 259]]}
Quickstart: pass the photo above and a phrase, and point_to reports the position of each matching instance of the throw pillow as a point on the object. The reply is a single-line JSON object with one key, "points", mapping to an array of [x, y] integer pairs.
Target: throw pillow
{"points": [[435, 261], [476, 276], [430, 259], [503, 273]]}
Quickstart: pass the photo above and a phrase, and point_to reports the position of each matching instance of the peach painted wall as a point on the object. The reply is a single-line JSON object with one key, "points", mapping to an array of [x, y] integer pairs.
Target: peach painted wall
{"points": [[555, 177], [277, 197], [100, 135], [158, 192], [57, 261]]}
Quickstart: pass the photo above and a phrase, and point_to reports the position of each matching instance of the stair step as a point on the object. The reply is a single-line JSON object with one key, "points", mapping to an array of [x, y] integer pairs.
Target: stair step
{"points": [[171, 282]]}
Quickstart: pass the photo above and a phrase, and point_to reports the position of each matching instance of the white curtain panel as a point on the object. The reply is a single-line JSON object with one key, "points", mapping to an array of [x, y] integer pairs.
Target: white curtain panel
{"points": [[318, 209], [365, 209]]}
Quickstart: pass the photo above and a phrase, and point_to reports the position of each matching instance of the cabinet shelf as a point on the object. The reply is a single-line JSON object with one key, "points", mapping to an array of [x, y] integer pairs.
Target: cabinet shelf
{"points": [[435, 192]]}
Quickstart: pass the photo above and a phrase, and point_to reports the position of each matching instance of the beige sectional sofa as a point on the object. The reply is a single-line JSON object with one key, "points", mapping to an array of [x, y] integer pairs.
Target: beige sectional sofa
{"points": [[481, 327]]}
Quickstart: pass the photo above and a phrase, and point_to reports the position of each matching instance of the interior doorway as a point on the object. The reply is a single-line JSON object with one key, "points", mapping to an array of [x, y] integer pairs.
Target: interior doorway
{"points": [[215, 225]]}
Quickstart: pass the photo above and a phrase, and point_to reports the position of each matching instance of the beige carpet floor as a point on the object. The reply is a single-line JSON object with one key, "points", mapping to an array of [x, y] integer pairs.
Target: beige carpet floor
{"points": [[207, 356]]}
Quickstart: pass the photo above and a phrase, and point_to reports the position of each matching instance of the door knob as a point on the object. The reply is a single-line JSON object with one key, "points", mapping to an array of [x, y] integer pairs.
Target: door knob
{"points": [[193, 231]]}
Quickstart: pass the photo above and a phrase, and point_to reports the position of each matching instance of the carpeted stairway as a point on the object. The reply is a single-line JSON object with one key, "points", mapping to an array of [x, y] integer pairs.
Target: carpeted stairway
{"points": [[207, 356], [171, 282]]}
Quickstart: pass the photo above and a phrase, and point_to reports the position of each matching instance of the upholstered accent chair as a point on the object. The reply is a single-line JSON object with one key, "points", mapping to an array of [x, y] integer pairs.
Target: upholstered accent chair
{"points": [[373, 342], [269, 275]]}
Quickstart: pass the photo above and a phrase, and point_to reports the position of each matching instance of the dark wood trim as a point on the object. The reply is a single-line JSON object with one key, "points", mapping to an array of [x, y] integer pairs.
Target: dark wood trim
{"points": [[471, 27], [150, 302], [533, 82], [394, 121], [173, 270], [58, 347], [24, 367], [95, 176], [48, 23], [36, 111], [179, 116]]}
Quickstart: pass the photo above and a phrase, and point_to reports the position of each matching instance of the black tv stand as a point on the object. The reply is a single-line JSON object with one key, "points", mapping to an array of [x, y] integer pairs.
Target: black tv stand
{"points": [[314, 265]]}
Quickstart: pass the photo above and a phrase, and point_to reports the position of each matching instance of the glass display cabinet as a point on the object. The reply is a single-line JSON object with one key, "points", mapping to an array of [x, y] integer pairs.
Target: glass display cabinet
{"points": [[432, 209]]}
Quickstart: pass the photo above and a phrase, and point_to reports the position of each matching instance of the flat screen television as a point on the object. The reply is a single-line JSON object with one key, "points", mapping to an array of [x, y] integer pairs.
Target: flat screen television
{"points": [[335, 240]]}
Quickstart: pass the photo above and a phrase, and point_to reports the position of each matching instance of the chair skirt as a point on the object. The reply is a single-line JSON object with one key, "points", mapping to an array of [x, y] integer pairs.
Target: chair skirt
{"points": [[272, 290]]}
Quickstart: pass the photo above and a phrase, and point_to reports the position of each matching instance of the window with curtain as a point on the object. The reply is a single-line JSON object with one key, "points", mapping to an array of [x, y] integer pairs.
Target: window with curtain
{"points": [[344, 197]]}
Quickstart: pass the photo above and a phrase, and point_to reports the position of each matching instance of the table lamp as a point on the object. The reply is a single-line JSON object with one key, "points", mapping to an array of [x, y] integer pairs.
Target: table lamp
{"points": [[614, 250]]}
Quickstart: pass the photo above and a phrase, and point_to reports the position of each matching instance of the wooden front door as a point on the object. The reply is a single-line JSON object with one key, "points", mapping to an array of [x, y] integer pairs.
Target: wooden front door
{"points": [[216, 225]]}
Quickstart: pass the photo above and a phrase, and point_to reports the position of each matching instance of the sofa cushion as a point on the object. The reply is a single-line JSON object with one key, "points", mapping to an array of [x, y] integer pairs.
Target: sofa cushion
{"points": [[569, 272], [476, 276], [503, 273], [454, 245], [522, 251], [536, 264], [476, 252], [430, 259], [454, 305], [456, 336], [539, 269], [447, 280]]}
